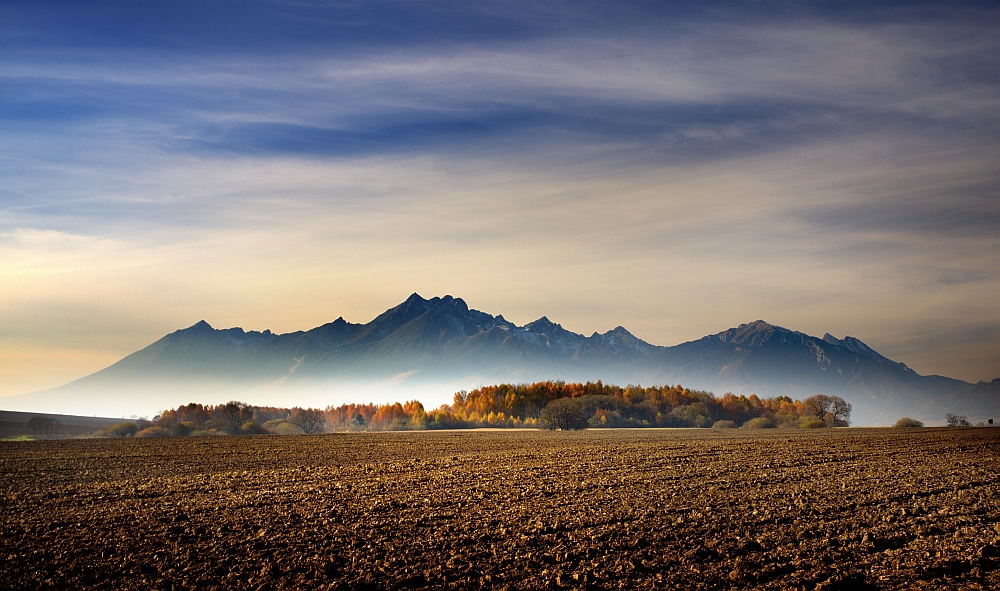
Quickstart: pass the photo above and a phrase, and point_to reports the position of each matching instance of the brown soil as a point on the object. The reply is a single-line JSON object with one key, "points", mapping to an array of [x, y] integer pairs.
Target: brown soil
{"points": [[847, 509]]}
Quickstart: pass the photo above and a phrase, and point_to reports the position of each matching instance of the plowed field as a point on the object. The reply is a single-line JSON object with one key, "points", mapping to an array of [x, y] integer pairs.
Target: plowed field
{"points": [[643, 509]]}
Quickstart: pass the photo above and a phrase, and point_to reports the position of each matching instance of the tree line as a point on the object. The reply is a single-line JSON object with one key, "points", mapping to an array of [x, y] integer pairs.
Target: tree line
{"points": [[547, 405]]}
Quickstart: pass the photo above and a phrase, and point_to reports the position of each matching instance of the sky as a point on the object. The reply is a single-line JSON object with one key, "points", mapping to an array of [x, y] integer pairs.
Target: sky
{"points": [[675, 168]]}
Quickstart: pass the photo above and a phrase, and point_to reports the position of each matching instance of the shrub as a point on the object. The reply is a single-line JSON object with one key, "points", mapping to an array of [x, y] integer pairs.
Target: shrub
{"points": [[808, 422], [759, 423], [906, 422], [124, 429], [182, 429], [399, 425], [692, 415], [723, 425], [788, 422], [155, 431], [281, 427], [252, 428]]}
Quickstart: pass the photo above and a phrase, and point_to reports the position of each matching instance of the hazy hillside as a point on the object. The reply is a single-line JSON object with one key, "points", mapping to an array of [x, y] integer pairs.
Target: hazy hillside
{"points": [[18, 424], [429, 349]]}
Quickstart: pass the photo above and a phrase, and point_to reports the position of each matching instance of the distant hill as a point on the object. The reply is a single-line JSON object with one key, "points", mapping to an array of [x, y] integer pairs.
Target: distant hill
{"points": [[429, 349], [17, 424]]}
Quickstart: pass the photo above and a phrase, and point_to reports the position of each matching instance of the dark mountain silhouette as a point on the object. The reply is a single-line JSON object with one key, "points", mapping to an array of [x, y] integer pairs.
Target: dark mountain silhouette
{"points": [[437, 346]]}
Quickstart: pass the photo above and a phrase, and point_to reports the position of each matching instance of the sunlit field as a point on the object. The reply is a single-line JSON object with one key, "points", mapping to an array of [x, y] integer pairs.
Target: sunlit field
{"points": [[598, 509]]}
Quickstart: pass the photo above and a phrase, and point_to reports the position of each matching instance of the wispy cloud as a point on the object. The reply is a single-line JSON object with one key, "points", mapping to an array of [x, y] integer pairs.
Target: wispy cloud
{"points": [[825, 169], [795, 75]]}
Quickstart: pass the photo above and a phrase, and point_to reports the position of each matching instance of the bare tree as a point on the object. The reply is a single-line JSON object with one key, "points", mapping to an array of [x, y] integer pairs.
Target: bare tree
{"points": [[310, 420], [957, 420], [237, 412], [563, 414], [43, 427]]}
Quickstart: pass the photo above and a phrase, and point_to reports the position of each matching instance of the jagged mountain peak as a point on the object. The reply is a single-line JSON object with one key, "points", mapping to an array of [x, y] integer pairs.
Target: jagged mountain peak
{"points": [[619, 341], [543, 325], [858, 347], [753, 334], [618, 334], [415, 305], [201, 330], [858, 344], [757, 326], [619, 330], [449, 303], [552, 336], [399, 315]]}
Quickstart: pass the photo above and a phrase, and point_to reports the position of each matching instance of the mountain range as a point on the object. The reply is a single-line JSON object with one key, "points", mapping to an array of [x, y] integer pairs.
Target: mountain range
{"points": [[430, 348]]}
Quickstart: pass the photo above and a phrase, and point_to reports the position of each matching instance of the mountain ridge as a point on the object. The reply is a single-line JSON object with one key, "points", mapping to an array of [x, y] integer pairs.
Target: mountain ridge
{"points": [[427, 346]]}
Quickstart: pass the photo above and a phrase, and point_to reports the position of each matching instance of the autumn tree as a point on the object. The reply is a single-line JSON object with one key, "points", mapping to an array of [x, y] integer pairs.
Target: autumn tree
{"points": [[832, 410], [816, 406], [417, 414], [839, 412]]}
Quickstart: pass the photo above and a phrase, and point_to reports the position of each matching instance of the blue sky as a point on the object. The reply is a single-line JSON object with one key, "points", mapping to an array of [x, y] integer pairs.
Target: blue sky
{"points": [[675, 168]]}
